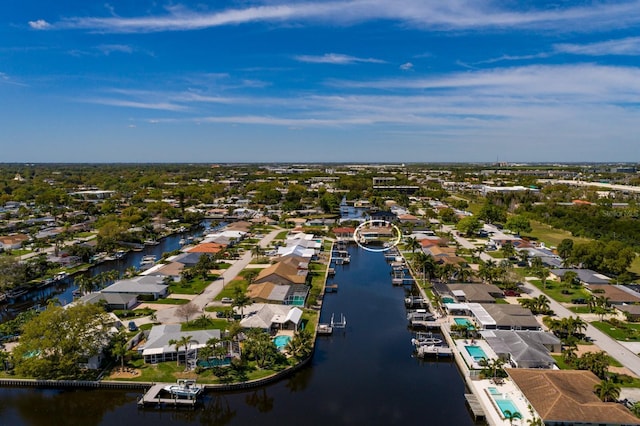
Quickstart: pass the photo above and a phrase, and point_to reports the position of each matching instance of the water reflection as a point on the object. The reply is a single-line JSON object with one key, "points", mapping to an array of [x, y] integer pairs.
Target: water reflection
{"points": [[364, 375]]}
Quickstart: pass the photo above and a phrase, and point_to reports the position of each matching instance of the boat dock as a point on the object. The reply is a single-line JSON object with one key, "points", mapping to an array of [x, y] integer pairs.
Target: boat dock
{"points": [[475, 406], [331, 288], [426, 350], [153, 398]]}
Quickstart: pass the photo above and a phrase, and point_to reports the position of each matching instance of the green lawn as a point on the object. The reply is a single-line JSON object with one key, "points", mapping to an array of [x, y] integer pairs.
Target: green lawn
{"points": [[628, 332], [170, 301], [635, 266], [281, 235], [193, 286], [582, 309], [554, 290], [551, 236]]}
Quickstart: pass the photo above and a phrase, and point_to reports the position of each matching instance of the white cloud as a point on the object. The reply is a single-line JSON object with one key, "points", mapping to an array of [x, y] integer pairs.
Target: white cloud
{"points": [[108, 49], [627, 46], [164, 106], [431, 14], [336, 58], [39, 24], [407, 66]]}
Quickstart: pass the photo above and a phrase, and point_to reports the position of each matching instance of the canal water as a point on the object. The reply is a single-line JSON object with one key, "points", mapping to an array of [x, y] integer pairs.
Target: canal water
{"points": [[63, 290], [362, 375]]}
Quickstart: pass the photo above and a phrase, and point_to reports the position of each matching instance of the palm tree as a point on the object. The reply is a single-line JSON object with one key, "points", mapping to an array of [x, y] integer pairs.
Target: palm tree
{"points": [[119, 349], [511, 416], [413, 244], [542, 304], [543, 274], [256, 251], [301, 345], [181, 342], [607, 391], [240, 300]]}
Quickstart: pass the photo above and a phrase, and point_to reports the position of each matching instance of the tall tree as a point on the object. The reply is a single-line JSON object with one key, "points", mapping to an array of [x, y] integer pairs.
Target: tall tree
{"points": [[55, 343]]}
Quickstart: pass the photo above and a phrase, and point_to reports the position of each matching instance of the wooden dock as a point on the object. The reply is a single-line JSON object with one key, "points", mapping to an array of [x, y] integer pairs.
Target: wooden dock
{"points": [[152, 398], [425, 324], [475, 406], [438, 351], [331, 288]]}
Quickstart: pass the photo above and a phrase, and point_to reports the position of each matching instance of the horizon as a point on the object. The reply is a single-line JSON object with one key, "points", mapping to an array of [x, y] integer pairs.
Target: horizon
{"points": [[275, 81]]}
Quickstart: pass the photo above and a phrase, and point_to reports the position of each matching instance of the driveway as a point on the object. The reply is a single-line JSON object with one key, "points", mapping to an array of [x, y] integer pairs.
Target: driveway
{"points": [[169, 316]]}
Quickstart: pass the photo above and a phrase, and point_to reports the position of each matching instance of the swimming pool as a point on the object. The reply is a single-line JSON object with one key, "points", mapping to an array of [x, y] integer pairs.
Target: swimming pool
{"points": [[281, 342], [465, 321], [505, 404], [476, 353], [448, 300]]}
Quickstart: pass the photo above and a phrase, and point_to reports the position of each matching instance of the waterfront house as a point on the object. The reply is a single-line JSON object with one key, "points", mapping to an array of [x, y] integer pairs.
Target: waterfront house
{"points": [[112, 301], [492, 316], [272, 318], [149, 286], [282, 273], [158, 349], [566, 397], [269, 292], [344, 233], [523, 349]]}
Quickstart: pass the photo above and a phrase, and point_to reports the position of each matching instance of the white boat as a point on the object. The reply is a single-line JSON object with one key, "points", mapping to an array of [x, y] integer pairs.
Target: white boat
{"points": [[119, 254], [184, 388], [420, 315], [426, 340], [151, 243], [148, 260]]}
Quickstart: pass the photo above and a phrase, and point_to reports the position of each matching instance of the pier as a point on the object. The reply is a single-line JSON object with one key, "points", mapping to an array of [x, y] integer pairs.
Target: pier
{"points": [[153, 398]]}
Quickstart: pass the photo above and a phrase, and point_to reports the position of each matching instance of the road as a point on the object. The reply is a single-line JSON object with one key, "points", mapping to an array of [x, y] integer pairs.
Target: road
{"points": [[169, 315], [616, 350]]}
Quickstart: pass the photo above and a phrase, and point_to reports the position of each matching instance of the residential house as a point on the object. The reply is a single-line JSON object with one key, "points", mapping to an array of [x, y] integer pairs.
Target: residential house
{"points": [[566, 397], [158, 349], [282, 273], [491, 316], [272, 318], [149, 286], [13, 241], [523, 349]]}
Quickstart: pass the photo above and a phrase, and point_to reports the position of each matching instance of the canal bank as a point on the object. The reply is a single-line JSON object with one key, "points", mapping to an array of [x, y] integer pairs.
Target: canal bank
{"points": [[364, 374]]}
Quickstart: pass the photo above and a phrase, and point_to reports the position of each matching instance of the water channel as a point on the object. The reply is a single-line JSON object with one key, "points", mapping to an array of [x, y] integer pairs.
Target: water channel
{"points": [[364, 375]]}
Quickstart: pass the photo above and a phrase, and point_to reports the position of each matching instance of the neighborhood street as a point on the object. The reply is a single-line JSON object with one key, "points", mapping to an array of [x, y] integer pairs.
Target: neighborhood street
{"points": [[616, 350], [167, 314]]}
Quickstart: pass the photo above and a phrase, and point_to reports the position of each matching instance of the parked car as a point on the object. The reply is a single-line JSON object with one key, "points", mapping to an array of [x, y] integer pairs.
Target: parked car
{"points": [[511, 293], [132, 326], [226, 300]]}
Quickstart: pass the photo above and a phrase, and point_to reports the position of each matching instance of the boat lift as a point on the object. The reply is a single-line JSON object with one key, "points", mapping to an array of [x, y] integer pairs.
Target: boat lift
{"points": [[342, 323]]}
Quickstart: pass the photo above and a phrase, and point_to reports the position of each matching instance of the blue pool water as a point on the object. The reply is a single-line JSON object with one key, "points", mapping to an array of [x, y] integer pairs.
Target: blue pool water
{"points": [[448, 300], [476, 352], [506, 404], [464, 321], [494, 391], [281, 342]]}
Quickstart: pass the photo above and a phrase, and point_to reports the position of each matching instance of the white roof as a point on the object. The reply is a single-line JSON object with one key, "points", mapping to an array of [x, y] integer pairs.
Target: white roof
{"points": [[458, 293], [481, 314], [456, 306]]}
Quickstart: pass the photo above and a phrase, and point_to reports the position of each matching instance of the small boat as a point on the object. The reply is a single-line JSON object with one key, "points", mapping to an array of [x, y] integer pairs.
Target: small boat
{"points": [[60, 276], [182, 241], [420, 315], [119, 254], [184, 388], [425, 340], [325, 329], [148, 259], [151, 243]]}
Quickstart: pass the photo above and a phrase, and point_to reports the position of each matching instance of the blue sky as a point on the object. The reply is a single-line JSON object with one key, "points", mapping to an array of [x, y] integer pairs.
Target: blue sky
{"points": [[361, 80]]}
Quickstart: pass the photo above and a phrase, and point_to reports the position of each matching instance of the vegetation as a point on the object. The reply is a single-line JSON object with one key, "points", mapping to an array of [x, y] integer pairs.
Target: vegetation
{"points": [[56, 343]]}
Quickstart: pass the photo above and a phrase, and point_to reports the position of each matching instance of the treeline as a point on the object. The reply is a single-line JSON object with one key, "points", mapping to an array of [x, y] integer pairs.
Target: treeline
{"points": [[592, 221]]}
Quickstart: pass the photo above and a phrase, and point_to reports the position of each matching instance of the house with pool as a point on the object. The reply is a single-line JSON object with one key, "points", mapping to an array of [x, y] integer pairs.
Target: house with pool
{"points": [[566, 397]]}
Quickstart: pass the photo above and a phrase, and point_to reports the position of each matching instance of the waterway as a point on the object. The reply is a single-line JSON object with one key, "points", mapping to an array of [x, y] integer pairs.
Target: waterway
{"points": [[364, 375], [62, 291]]}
